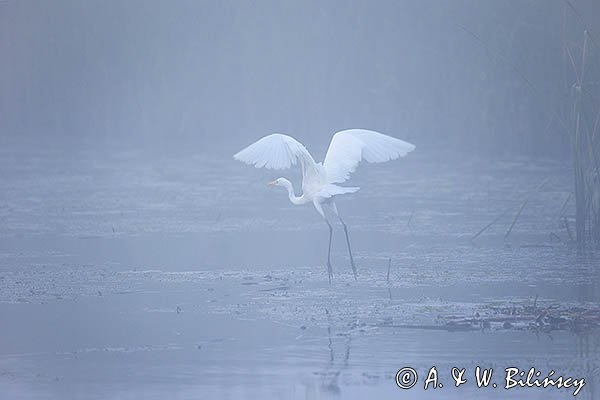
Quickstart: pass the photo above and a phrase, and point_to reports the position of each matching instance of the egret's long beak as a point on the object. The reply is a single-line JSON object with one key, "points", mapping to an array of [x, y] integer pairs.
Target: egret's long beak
{"points": [[272, 183]]}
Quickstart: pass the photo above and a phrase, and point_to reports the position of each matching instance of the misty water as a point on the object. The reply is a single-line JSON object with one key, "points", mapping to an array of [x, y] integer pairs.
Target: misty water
{"points": [[129, 274]]}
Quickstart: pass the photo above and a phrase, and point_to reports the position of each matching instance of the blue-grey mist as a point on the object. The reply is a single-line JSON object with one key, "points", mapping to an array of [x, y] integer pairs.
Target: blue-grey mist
{"points": [[139, 260]]}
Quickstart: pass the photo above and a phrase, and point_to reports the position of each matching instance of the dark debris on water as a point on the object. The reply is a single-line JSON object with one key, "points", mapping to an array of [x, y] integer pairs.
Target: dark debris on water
{"points": [[554, 317]]}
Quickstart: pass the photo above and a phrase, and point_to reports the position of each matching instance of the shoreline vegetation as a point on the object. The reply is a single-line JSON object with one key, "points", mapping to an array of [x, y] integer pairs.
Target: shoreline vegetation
{"points": [[575, 114]]}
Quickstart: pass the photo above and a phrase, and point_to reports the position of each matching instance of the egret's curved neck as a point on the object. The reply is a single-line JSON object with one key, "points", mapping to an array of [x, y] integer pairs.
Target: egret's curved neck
{"points": [[290, 188]]}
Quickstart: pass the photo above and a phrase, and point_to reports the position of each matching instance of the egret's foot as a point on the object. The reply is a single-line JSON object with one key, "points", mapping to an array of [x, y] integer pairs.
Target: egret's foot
{"points": [[329, 271]]}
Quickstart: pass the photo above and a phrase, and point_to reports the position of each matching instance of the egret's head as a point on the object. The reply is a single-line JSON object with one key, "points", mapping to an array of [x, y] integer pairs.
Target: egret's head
{"points": [[277, 182]]}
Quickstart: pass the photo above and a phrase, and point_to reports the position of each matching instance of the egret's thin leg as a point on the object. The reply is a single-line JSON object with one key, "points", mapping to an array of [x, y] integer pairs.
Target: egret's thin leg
{"points": [[334, 208], [349, 250], [329, 268], [319, 208]]}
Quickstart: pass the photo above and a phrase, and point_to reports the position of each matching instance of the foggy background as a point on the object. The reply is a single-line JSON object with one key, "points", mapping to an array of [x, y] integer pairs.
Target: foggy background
{"points": [[206, 75], [139, 260]]}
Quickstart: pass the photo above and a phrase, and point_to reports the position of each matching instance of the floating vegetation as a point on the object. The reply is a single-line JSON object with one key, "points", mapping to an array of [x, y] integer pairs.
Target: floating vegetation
{"points": [[498, 317]]}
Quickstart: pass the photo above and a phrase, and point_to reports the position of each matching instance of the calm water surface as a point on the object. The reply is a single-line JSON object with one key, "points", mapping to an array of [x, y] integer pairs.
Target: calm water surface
{"points": [[134, 276]]}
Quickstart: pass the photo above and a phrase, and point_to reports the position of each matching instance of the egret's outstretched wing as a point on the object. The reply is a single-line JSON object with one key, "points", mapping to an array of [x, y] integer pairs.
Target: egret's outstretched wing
{"points": [[349, 147], [276, 151]]}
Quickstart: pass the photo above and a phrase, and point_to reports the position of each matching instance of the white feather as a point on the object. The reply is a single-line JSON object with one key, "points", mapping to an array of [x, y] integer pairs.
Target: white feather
{"points": [[276, 151], [330, 190], [346, 150], [349, 147]]}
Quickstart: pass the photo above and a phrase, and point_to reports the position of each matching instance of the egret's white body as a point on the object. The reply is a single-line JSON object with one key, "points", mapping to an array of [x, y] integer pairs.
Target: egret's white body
{"points": [[320, 180]]}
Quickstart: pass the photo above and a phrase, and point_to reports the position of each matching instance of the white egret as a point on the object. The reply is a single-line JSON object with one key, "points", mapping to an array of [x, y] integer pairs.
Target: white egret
{"points": [[319, 180]]}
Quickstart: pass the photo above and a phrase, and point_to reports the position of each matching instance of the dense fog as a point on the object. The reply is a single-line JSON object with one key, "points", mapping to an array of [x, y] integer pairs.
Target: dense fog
{"points": [[472, 75], [139, 259]]}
